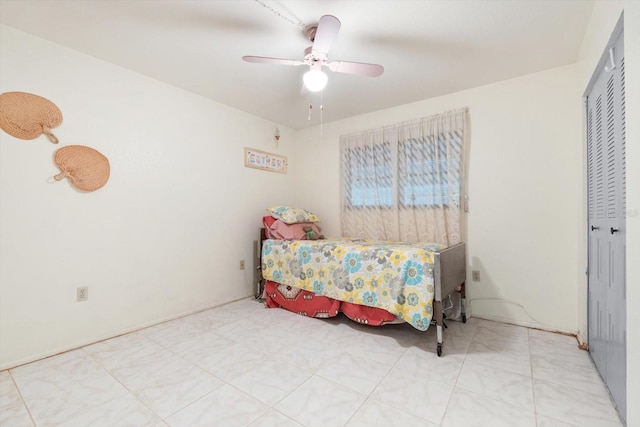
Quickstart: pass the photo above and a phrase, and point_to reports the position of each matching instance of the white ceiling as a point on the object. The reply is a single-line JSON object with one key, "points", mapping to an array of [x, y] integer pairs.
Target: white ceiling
{"points": [[428, 47]]}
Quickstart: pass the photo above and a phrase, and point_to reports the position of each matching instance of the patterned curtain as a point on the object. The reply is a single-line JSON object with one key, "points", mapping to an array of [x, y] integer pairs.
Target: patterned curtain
{"points": [[406, 182]]}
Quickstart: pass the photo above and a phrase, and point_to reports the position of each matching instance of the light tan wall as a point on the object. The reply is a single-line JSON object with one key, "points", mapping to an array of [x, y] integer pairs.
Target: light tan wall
{"points": [[165, 235], [525, 180]]}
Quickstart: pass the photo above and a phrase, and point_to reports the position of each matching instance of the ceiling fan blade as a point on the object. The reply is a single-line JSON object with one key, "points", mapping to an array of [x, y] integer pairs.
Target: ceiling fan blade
{"points": [[328, 28], [265, 60], [360, 68]]}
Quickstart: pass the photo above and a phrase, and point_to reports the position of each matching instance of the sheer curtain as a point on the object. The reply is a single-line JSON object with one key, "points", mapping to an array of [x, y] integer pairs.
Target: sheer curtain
{"points": [[406, 182]]}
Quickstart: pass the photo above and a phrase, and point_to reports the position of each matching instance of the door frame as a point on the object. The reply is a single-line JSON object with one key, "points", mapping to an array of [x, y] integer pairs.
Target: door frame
{"points": [[583, 335], [605, 60]]}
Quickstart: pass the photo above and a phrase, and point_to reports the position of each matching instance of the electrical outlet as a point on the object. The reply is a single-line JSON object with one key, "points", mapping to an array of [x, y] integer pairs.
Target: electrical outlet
{"points": [[82, 294], [475, 275], [241, 264]]}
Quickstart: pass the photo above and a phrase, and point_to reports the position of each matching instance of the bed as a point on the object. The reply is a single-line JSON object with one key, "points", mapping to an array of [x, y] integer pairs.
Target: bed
{"points": [[407, 281]]}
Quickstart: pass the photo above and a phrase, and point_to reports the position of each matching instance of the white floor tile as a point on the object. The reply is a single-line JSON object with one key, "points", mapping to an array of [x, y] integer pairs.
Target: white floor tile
{"points": [[554, 347], [167, 395], [373, 413], [307, 355], [202, 346], [421, 363], [461, 329], [504, 338], [420, 396], [508, 387], [468, 409], [502, 331], [119, 351], [67, 362], [273, 418], [568, 371], [496, 354], [15, 416], [574, 406], [170, 334], [65, 387], [231, 362], [224, 407], [245, 365], [241, 330], [137, 373], [357, 373], [13, 413], [271, 380], [453, 344], [126, 411], [543, 421], [166, 383], [320, 402], [213, 318], [242, 308], [370, 346]]}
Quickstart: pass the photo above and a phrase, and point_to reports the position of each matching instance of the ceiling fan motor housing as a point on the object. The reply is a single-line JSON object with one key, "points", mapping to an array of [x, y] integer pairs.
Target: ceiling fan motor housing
{"points": [[312, 57], [310, 32]]}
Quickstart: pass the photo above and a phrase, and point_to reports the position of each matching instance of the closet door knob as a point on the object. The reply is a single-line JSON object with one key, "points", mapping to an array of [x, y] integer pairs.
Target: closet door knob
{"points": [[594, 228], [614, 230]]}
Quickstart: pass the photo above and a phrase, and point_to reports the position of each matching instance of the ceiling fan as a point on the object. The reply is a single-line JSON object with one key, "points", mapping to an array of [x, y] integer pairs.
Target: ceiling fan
{"points": [[315, 56]]}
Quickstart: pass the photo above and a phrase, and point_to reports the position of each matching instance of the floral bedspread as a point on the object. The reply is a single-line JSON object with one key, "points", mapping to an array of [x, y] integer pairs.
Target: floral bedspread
{"points": [[397, 277]]}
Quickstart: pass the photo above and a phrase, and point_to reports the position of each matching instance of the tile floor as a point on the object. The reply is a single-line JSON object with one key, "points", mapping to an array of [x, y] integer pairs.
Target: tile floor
{"points": [[245, 365]]}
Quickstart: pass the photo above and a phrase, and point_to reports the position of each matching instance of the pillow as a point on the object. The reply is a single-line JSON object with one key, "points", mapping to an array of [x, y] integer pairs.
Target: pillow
{"points": [[290, 215], [281, 231], [267, 222]]}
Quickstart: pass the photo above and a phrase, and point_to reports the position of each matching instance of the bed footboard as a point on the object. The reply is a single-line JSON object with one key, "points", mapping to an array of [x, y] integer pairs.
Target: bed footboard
{"points": [[450, 273]]}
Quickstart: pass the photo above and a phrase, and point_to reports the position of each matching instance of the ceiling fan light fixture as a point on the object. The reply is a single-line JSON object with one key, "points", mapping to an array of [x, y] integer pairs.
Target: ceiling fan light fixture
{"points": [[315, 80]]}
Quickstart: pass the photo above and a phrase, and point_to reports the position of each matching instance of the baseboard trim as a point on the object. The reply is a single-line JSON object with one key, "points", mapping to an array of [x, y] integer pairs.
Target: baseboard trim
{"points": [[531, 326], [65, 349]]}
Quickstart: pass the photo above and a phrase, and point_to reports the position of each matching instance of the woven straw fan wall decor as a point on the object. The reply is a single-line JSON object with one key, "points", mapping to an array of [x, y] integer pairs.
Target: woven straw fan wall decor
{"points": [[86, 168], [27, 116]]}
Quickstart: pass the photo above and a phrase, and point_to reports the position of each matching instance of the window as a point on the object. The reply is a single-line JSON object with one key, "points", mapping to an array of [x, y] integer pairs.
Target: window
{"points": [[428, 174], [369, 171], [405, 182]]}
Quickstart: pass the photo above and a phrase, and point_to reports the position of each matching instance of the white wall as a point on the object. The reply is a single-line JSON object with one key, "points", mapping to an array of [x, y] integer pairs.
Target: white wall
{"points": [[165, 235], [525, 177]]}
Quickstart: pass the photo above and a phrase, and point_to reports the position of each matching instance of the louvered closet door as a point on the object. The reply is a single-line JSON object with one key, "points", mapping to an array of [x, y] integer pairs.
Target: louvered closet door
{"points": [[607, 236], [598, 240]]}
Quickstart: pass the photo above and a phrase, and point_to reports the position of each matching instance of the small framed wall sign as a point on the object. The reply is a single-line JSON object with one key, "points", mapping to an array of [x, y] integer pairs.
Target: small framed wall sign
{"points": [[266, 161]]}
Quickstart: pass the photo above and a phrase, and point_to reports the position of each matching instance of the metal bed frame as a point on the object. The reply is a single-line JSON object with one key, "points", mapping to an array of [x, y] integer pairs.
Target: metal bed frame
{"points": [[450, 273]]}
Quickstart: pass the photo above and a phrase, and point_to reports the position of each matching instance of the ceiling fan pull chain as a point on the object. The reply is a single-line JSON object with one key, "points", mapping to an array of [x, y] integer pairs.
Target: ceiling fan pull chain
{"points": [[309, 116], [321, 111], [298, 24]]}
